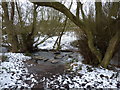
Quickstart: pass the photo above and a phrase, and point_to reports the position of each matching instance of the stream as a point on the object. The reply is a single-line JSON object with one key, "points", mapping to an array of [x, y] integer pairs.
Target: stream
{"points": [[49, 63]]}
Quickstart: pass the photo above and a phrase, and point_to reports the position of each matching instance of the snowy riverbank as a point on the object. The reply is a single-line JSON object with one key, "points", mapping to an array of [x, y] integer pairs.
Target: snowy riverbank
{"points": [[14, 74]]}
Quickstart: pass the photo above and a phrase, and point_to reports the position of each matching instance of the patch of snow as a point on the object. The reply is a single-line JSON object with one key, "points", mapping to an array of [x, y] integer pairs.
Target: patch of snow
{"points": [[13, 72], [88, 77], [48, 44], [66, 39], [113, 17]]}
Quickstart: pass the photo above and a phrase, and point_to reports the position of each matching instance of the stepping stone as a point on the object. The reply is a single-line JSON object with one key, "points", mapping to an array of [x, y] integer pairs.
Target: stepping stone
{"points": [[38, 58], [57, 52], [53, 61], [46, 59], [70, 56], [58, 57]]}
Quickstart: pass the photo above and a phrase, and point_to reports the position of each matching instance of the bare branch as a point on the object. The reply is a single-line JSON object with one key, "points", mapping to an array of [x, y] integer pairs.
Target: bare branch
{"points": [[60, 7]]}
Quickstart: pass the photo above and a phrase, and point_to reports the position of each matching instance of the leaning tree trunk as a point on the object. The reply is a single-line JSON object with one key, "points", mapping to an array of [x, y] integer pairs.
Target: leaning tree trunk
{"points": [[93, 49], [110, 50], [30, 36], [115, 40], [60, 7]]}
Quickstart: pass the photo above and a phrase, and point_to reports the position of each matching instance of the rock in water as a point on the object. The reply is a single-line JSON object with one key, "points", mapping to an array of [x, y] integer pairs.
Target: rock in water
{"points": [[46, 59], [53, 61], [57, 52], [58, 57], [38, 58]]}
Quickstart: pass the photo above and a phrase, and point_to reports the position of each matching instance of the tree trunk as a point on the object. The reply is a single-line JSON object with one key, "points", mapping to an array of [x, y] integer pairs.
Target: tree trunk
{"points": [[60, 7], [61, 34], [110, 50], [12, 37], [93, 49], [29, 41]]}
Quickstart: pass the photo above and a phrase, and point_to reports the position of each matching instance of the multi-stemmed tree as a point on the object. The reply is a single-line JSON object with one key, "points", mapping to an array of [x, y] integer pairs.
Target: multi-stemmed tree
{"points": [[100, 36], [101, 32], [20, 37], [23, 26]]}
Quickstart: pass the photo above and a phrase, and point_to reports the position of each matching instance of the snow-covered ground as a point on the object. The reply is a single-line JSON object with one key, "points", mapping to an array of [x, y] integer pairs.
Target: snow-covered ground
{"points": [[66, 39], [87, 77], [13, 72]]}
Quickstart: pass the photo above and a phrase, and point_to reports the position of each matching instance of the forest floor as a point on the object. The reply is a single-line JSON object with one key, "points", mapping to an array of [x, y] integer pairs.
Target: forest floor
{"points": [[54, 70]]}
